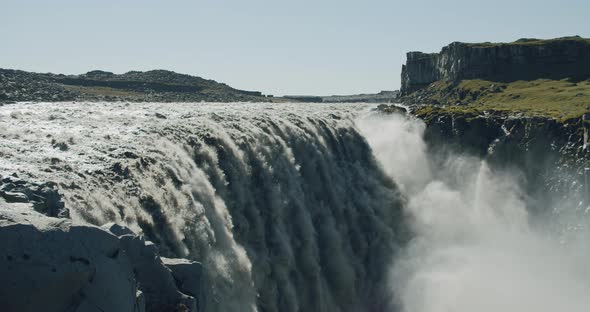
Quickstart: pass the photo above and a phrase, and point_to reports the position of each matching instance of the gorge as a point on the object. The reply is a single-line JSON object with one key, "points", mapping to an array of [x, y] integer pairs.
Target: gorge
{"points": [[471, 193]]}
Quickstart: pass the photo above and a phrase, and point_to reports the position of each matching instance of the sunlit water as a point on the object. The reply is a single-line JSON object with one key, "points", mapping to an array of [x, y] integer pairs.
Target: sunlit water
{"points": [[302, 207], [283, 203]]}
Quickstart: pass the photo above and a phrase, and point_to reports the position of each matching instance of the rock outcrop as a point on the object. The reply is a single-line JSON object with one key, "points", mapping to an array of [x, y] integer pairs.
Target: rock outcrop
{"points": [[525, 59], [55, 264], [51, 264], [43, 197], [189, 277]]}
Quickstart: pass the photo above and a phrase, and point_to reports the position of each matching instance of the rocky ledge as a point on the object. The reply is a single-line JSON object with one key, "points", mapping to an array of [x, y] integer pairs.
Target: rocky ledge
{"points": [[56, 264]]}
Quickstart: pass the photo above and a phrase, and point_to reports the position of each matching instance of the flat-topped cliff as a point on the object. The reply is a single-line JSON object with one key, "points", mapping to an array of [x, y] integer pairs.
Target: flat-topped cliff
{"points": [[524, 59]]}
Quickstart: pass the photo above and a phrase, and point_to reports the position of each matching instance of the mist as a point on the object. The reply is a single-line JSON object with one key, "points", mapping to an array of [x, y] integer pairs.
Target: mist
{"points": [[474, 245]]}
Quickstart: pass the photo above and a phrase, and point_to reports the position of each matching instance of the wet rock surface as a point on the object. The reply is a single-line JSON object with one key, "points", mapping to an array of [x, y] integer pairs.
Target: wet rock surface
{"points": [[552, 156]]}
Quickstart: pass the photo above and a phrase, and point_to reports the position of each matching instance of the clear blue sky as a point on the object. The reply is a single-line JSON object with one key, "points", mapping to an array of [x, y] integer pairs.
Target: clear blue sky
{"points": [[277, 47]]}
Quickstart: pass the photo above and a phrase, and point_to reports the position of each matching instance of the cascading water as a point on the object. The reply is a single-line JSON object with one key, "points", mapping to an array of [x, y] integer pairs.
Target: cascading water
{"points": [[284, 204], [294, 207], [477, 246]]}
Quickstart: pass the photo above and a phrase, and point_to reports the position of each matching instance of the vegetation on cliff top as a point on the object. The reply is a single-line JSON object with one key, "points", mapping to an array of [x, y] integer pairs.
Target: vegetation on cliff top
{"points": [[558, 99], [529, 41]]}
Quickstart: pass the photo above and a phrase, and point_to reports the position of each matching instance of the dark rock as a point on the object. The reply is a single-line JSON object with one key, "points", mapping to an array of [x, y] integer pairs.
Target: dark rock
{"points": [[63, 146], [157, 283], [158, 286], [14, 197], [7, 187], [39, 274], [391, 109], [545, 151], [98, 271], [129, 154], [117, 229], [188, 276]]}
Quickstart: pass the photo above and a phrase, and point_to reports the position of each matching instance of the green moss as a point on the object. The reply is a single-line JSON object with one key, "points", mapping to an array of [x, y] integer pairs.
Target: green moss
{"points": [[558, 99]]}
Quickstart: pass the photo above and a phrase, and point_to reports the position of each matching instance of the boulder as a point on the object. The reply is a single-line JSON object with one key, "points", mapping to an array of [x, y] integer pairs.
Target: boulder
{"points": [[157, 283], [117, 229], [43, 196], [160, 290], [50, 264], [55, 264], [14, 197], [188, 276]]}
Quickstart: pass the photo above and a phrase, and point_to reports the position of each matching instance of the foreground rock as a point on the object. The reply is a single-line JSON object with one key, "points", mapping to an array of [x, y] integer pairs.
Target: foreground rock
{"points": [[189, 277], [157, 283], [54, 264]]}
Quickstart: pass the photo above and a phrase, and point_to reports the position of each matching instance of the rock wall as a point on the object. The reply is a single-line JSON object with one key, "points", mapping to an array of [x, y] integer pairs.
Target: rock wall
{"points": [[522, 60], [551, 158]]}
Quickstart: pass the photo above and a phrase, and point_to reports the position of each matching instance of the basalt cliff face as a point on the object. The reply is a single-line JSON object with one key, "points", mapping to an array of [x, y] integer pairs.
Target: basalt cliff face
{"points": [[551, 157], [525, 59]]}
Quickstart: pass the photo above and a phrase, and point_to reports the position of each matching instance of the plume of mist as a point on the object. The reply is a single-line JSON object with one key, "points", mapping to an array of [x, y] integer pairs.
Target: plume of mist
{"points": [[474, 248]]}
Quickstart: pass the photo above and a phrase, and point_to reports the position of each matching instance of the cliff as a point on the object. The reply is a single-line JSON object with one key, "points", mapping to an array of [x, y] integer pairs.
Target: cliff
{"points": [[525, 59], [523, 105], [552, 156], [135, 86]]}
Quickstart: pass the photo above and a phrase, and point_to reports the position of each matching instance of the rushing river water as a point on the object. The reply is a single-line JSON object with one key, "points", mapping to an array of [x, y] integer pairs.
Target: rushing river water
{"points": [[301, 207]]}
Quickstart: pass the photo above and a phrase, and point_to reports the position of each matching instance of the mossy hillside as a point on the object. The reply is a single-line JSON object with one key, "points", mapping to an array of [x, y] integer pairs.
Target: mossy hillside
{"points": [[557, 99]]}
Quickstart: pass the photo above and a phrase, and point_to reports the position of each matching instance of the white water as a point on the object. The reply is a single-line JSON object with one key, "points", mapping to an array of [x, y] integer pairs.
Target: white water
{"points": [[288, 211], [474, 248], [283, 203]]}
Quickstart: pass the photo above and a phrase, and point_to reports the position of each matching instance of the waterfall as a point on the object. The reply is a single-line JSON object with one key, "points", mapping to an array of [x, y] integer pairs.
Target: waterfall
{"points": [[284, 204], [307, 207]]}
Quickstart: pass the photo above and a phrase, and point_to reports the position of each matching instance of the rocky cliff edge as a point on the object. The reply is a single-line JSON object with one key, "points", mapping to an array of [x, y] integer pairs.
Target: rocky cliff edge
{"points": [[51, 263]]}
